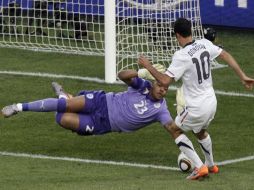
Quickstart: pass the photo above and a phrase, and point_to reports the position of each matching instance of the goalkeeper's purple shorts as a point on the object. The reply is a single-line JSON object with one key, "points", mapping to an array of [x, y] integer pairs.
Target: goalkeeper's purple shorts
{"points": [[94, 117]]}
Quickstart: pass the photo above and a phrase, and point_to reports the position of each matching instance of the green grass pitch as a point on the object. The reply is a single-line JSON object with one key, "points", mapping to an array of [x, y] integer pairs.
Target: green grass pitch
{"points": [[36, 133]]}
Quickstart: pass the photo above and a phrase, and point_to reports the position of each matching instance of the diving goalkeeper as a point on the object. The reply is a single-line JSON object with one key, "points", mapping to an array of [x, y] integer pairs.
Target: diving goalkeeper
{"points": [[97, 112]]}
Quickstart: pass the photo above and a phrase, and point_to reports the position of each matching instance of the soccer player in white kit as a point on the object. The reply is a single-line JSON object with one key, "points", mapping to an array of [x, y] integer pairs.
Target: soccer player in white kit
{"points": [[192, 64]]}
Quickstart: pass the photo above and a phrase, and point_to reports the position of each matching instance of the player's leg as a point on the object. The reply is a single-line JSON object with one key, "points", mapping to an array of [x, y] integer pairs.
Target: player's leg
{"points": [[82, 124], [202, 135], [75, 104], [45, 105], [68, 121], [184, 144], [86, 101], [70, 104], [187, 120], [205, 142]]}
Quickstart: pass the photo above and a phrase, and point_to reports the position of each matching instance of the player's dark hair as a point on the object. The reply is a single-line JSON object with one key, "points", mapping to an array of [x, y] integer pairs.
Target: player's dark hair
{"points": [[182, 26]]}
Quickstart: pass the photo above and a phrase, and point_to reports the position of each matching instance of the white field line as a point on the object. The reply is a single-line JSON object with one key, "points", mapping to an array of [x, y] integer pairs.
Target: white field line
{"points": [[49, 75], [137, 165], [39, 156], [226, 162]]}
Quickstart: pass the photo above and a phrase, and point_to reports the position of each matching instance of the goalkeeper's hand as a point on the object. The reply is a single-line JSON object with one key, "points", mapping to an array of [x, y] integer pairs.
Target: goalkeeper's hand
{"points": [[145, 74], [180, 102]]}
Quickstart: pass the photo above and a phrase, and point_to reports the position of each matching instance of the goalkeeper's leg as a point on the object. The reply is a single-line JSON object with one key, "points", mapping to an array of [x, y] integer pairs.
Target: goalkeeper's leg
{"points": [[68, 121], [45, 105], [82, 124], [75, 104]]}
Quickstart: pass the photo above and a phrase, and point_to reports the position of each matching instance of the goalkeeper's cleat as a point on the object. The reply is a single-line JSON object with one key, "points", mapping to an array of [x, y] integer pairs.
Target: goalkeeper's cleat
{"points": [[214, 169], [58, 89], [199, 173], [10, 110]]}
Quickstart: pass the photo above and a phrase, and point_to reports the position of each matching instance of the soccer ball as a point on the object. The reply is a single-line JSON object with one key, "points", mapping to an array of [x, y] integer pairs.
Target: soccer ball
{"points": [[184, 163]]}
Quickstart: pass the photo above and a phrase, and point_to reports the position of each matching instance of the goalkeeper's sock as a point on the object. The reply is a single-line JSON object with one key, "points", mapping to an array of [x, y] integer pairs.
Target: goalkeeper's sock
{"points": [[20, 107], [206, 146], [45, 105], [186, 146], [63, 96]]}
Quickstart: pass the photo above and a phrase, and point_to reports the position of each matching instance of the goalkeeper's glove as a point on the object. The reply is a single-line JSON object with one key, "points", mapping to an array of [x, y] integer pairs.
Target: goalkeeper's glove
{"points": [[180, 102], [159, 67], [145, 74]]}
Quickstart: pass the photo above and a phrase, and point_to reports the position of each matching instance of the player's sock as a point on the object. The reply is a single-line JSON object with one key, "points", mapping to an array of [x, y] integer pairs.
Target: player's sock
{"points": [[45, 105], [206, 146], [20, 107], [186, 146], [63, 96]]}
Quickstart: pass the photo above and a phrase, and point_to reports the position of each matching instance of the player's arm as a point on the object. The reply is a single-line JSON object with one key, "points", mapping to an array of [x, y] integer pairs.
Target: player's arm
{"points": [[127, 76], [229, 59], [162, 78], [172, 128]]}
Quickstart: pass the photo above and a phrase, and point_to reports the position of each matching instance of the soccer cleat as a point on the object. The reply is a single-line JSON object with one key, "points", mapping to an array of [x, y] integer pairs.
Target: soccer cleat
{"points": [[199, 173], [10, 110], [58, 89], [214, 169]]}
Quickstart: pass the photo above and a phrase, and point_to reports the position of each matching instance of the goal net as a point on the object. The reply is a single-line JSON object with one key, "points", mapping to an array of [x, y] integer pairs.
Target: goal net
{"points": [[68, 26], [146, 27], [133, 27]]}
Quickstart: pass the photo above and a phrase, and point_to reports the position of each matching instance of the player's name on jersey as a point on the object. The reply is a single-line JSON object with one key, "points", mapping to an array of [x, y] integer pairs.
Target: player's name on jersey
{"points": [[196, 47]]}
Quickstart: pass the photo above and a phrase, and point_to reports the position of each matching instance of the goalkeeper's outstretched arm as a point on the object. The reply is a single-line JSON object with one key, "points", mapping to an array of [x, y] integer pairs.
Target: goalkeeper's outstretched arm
{"points": [[127, 76]]}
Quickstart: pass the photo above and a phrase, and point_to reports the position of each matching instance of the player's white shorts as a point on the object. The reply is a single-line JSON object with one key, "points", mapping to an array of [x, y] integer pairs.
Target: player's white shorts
{"points": [[197, 118]]}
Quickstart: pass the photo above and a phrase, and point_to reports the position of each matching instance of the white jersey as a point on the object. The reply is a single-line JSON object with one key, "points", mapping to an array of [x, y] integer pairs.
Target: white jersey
{"points": [[193, 65]]}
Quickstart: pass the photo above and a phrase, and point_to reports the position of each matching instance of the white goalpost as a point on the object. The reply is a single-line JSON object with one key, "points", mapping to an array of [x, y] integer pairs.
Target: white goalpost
{"points": [[120, 30]]}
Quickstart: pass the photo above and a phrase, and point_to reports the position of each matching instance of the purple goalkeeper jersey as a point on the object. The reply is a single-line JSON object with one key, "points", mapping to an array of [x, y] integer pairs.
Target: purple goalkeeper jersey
{"points": [[133, 109]]}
